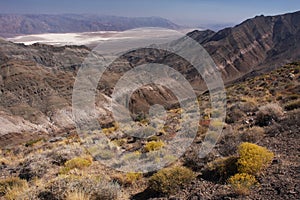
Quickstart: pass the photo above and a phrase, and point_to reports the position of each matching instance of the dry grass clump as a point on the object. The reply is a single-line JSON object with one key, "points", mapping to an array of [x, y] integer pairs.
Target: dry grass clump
{"points": [[16, 192], [128, 179], [234, 114], [7, 184], [154, 145], [61, 154], [78, 163], [268, 113], [34, 166], [110, 130], [292, 105], [77, 195], [4, 161], [90, 187], [31, 143], [253, 134], [133, 177]]}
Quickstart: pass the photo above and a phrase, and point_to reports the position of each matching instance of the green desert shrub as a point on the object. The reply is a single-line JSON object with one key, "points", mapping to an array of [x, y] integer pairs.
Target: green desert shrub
{"points": [[253, 158], [242, 183], [169, 180]]}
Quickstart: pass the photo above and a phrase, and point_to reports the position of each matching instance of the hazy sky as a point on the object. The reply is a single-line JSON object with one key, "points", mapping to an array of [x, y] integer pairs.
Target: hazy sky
{"points": [[184, 12]]}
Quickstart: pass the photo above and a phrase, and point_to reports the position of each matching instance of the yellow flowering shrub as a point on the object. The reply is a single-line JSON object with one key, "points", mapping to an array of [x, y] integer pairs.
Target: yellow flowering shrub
{"points": [[242, 182], [169, 180], [253, 158]]}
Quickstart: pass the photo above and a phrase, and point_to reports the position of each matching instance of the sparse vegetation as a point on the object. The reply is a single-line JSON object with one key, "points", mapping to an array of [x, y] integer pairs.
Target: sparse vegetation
{"points": [[62, 169]]}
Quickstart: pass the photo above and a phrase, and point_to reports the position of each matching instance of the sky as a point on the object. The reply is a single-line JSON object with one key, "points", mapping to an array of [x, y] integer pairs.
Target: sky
{"points": [[183, 12]]}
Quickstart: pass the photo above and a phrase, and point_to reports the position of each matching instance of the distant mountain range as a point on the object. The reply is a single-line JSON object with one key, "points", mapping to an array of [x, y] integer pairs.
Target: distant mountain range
{"points": [[13, 24], [36, 81]]}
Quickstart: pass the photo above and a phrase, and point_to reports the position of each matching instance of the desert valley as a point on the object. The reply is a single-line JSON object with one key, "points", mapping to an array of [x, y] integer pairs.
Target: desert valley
{"points": [[47, 154]]}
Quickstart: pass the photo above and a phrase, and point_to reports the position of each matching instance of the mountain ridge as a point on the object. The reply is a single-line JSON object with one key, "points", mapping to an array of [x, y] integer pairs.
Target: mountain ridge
{"points": [[256, 43], [36, 81], [20, 24]]}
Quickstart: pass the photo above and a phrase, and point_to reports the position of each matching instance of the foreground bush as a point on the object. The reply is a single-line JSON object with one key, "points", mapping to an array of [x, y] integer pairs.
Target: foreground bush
{"points": [[169, 180], [242, 183], [253, 158]]}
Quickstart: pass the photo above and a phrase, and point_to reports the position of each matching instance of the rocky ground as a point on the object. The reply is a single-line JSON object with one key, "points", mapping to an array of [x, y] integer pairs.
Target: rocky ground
{"points": [[42, 168]]}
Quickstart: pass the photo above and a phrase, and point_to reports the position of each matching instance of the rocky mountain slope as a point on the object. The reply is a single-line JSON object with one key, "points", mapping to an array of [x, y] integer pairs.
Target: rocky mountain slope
{"points": [[57, 168], [262, 42], [36, 81], [11, 24]]}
